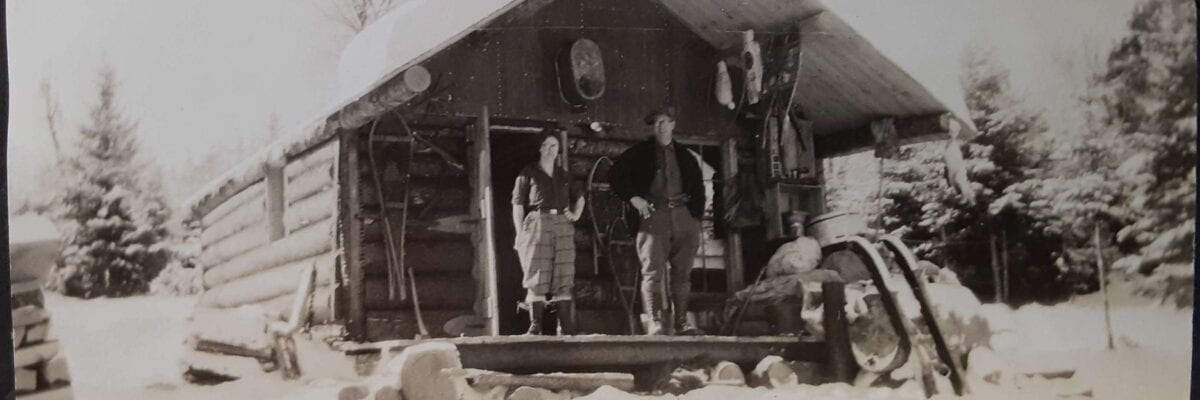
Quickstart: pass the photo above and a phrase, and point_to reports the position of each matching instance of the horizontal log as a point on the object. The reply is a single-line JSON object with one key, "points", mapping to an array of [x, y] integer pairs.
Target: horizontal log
{"points": [[36, 333], [55, 371], [55, 392], [18, 336], [29, 315], [418, 230], [579, 382], [437, 292], [308, 185], [310, 211], [444, 257], [25, 379], [223, 365], [243, 327], [455, 197], [241, 242], [252, 194], [268, 284], [32, 355], [232, 225], [312, 159], [321, 311], [308, 242], [389, 325]]}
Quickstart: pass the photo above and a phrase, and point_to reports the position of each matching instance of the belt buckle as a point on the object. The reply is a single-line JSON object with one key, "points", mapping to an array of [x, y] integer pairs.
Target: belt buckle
{"points": [[553, 211]]}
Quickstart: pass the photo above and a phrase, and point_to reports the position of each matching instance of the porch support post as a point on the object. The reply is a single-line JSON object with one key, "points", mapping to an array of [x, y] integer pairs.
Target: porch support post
{"points": [[481, 210], [735, 277], [352, 235]]}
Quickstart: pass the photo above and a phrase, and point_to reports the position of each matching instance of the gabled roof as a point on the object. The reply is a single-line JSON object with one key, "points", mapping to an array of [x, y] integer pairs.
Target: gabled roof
{"points": [[846, 81]]}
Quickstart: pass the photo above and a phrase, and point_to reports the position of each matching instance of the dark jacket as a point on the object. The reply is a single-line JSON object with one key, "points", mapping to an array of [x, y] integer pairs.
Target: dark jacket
{"points": [[635, 169]]}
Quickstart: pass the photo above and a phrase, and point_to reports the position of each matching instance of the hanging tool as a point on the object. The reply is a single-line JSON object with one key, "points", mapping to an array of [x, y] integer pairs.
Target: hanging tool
{"points": [[395, 263]]}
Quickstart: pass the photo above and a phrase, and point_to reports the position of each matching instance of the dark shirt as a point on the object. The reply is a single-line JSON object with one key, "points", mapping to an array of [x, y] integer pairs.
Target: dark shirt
{"points": [[667, 184], [633, 172], [537, 190]]}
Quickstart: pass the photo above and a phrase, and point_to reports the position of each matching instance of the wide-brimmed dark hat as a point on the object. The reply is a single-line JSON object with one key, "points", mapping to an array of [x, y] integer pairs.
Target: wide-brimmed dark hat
{"points": [[669, 112]]}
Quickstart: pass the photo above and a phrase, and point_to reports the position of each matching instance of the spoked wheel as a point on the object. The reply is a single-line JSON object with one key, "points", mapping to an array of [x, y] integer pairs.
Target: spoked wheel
{"points": [[610, 235]]}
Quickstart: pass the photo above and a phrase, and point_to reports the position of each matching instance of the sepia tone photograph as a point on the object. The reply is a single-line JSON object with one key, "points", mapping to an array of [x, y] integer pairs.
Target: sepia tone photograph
{"points": [[601, 199]]}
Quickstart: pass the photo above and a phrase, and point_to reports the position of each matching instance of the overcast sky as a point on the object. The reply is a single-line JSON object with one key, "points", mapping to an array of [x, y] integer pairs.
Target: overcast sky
{"points": [[198, 73]]}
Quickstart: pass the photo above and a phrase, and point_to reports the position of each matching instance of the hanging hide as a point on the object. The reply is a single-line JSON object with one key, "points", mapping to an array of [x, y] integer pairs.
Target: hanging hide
{"points": [[752, 61], [724, 87], [956, 167], [886, 139]]}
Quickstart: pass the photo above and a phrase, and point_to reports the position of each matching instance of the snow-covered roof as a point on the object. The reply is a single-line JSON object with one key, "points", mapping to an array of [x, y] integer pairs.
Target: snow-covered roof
{"points": [[846, 81]]}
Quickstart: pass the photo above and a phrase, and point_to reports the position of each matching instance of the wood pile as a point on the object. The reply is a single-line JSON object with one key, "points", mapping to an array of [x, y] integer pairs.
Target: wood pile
{"points": [[39, 366]]}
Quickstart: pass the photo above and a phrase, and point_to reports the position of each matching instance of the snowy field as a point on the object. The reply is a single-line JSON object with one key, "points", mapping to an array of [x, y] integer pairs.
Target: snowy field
{"points": [[130, 349]]}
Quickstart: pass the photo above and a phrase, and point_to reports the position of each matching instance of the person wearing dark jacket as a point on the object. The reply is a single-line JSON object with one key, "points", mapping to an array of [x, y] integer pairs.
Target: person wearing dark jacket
{"points": [[662, 181]]}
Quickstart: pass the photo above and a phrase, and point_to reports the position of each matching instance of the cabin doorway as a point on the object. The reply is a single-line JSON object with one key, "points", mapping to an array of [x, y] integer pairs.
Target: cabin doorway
{"points": [[511, 151]]}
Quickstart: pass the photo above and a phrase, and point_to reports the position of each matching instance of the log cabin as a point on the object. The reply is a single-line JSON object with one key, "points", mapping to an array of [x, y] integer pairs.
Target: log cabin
{"points": [[398, 195]]}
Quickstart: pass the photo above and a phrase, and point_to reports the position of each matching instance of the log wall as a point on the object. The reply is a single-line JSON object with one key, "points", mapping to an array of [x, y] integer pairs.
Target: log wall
{"points": [[244, 267]]}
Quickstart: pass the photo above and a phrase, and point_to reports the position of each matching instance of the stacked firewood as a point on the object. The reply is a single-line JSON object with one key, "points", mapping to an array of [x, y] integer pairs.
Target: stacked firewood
{"points": [[39, 367]]}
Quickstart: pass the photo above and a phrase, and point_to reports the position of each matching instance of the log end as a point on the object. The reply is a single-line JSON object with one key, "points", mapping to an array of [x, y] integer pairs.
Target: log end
{"points": [[417, 78]]}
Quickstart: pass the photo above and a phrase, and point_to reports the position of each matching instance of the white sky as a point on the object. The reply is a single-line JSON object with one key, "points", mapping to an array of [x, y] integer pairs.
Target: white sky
{"points": [[196, 74]]}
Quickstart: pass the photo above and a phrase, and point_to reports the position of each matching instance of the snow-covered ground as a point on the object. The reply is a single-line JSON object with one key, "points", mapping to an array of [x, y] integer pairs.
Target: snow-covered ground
{"points": [[130, 349]]}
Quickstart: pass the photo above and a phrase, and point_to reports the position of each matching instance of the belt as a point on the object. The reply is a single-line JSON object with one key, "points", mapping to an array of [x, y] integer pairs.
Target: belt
{"points": [[554, 211], [672, 203]]}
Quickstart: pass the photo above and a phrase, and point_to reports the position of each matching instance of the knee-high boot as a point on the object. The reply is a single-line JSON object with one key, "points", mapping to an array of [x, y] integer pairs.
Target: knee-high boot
{"points": [[652, 307], [536, 310], [566, 316], [679, 303]]}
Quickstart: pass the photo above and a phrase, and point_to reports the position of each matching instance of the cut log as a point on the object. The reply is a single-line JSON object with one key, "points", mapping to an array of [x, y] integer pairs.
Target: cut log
{"points": [[400, 324], [26, 287], [726, 373], [308, 242], [37, 333], [223, 365], [28, 315], [18, 336], [250, 195], [32, 355], [535, 393], [773, 372], [310, 211], [268, 284], [26, 379], [421, 371], [55, 370], [322, 305], [56, 393], [237, 244], [243, 327], [555, 382]]}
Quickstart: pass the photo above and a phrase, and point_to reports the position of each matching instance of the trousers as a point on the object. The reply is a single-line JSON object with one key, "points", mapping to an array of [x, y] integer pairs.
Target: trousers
{"points": [[666, 244]]}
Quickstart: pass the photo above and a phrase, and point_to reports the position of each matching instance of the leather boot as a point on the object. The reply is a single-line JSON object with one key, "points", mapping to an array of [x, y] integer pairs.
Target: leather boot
{"points": [[536, 310], [652, 311], [566, 316], [679, 303]]}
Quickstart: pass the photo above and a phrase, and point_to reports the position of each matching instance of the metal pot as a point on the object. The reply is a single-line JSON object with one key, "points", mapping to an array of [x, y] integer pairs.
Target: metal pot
{"points": [[833, 227]]}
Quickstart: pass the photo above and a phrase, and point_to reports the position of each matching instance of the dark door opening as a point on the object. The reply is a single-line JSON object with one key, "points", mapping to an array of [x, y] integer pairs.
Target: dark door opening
{"points": [[510, 153]]}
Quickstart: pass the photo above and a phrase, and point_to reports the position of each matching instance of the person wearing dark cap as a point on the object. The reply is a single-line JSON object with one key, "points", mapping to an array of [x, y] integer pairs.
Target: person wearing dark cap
{"points": [[662, 181]]}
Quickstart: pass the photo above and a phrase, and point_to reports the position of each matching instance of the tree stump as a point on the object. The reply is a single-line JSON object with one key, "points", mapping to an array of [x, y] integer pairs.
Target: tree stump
{"points": [[727, 373], [420, 369]]}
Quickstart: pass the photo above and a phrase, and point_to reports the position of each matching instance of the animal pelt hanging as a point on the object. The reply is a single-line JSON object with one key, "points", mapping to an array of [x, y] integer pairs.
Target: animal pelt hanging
{"points": [[887, 142], [956, 167], [752, 61]]}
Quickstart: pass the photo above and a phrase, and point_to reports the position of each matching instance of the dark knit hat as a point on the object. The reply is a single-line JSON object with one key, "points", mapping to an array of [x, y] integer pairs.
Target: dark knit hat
{"points": [[669, 112]]}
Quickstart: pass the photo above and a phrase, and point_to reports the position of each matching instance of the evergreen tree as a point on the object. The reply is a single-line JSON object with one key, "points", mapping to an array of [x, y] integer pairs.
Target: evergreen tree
{"points": [[119, 238], [922, 208]]}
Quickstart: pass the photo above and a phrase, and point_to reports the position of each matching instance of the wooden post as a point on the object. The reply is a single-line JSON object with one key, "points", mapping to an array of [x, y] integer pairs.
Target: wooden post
{"points": [[995, 266], [352, 237], [1004, 264], [1103, 286], [735, 276], [486, 304], [276, 202], [840, 360]]}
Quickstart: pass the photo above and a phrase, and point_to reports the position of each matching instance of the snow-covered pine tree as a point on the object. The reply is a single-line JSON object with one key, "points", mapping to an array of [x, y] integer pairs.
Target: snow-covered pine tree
{"points": [[119, 239], [920, 206]]}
